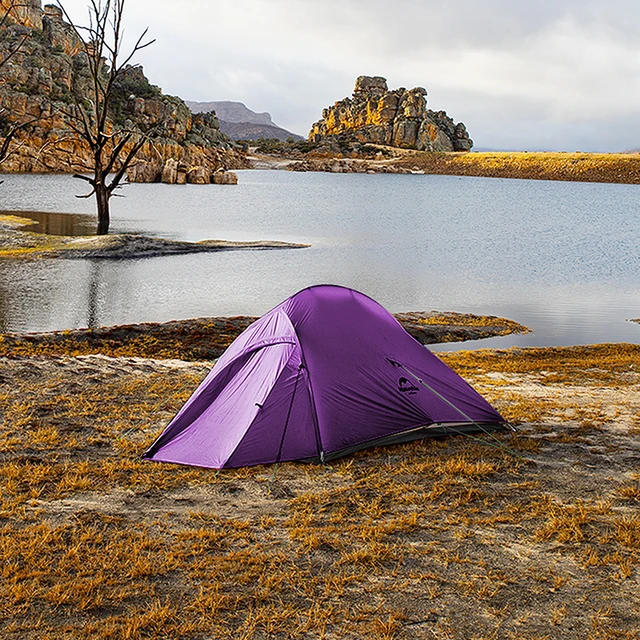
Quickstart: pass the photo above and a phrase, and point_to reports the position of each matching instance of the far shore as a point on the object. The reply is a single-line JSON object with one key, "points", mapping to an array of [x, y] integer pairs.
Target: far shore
{"points": [[572, 166], [622, 168]]}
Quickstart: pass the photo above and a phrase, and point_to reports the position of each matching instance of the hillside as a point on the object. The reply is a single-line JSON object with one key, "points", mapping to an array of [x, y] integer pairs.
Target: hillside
{"points": [[44, 71], [241, 123]]}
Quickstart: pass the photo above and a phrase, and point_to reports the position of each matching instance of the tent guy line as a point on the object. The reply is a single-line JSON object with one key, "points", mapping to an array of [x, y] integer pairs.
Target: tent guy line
{"points": [[500, 444]]}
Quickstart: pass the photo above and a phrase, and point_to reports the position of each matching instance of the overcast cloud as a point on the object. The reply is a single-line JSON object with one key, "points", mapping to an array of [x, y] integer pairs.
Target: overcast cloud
{"points": [[561, 74]]}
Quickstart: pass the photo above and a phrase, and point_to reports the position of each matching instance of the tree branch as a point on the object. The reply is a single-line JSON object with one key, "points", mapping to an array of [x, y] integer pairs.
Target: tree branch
{"points": [[125, 165], [115, 153]]}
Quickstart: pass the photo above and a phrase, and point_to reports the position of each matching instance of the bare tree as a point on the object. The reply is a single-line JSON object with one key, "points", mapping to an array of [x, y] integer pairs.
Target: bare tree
{"points": [[112, 147]]}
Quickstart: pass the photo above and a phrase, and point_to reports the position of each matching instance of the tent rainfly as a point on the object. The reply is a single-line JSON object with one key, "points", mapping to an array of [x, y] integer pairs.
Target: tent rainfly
{"points": [[325, 373]]}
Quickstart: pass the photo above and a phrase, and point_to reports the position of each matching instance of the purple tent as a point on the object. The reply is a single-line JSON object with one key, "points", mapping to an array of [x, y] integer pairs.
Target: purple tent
{"points": [[325, 373]]}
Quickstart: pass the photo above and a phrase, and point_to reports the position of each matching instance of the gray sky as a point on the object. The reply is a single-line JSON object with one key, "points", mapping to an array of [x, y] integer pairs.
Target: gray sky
{"points": [[550, 74]]}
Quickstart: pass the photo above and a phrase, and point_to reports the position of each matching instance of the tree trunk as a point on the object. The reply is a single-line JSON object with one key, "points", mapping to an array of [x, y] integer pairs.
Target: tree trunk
{"points": [[102, 200]]}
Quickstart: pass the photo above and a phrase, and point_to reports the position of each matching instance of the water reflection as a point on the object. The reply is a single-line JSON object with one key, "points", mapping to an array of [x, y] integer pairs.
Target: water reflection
{"points": [[57, 224], [93, 297]]}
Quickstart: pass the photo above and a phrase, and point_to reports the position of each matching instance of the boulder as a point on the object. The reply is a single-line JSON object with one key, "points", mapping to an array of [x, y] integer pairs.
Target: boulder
{"points": [[181, 173], [461, 139], [370, 87], [405, 133], [144, 172], [169, 171], [224, 177], [431, 137], [198, 175]]}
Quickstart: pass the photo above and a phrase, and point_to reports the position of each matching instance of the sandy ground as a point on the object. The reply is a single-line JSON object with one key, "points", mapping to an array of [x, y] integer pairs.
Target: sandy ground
{"points": [[535, 535]]}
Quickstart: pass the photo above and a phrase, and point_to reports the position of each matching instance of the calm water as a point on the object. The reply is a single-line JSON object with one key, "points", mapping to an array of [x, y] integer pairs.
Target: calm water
{"points": [[562, 258]]}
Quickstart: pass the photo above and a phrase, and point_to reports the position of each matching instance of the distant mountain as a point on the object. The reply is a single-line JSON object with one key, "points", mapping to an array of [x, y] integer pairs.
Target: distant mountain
{"points": [[249, 131], [231, 112], [241, 123]]}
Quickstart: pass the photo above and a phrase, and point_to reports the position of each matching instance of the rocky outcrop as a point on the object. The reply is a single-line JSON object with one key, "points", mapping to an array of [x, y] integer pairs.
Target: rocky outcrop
{"points": [[350, 165], [398, 118], [25, 12], [42, 80], [173, 171]]}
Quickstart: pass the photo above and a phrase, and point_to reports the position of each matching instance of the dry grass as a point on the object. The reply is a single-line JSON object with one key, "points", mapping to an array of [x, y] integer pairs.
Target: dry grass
{"points": [[467, 320], [586, 167], [445, 538], [207, 338]]}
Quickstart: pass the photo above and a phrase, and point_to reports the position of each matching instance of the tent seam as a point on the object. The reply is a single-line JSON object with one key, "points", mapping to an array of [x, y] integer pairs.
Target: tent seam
{"points": [[316, 422]]}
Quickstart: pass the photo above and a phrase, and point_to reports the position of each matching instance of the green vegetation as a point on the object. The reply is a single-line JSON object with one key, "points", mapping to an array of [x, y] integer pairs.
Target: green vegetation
{"points": [[131, 84], [273, 146]]}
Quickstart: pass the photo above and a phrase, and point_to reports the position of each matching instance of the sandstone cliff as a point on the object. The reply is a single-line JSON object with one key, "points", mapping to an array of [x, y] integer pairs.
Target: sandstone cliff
{"points": [[399, 118], [43, 71]]}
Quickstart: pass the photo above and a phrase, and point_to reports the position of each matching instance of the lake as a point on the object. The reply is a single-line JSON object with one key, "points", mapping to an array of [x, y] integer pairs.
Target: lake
{"points": [[561, 257]]}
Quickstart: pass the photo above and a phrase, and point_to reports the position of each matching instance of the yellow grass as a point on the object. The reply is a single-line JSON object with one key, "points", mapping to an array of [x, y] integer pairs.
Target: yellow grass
{"points": [[589, 167], [449, 535]]}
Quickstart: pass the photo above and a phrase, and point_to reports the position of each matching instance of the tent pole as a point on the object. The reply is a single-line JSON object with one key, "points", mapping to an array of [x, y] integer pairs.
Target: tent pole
{"points": [[284, 430]]}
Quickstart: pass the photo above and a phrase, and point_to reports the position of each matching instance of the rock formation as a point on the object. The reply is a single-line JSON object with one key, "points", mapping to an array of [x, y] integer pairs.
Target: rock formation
{"points": [[45, 76], [398, 118], [172, 171]]}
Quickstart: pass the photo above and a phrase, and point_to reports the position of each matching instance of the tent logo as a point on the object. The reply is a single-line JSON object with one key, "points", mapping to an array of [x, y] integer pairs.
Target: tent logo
{"points": [[406, 386]]}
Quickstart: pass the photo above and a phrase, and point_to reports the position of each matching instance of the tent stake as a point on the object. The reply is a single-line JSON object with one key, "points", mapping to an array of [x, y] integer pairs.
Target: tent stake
{"points": [[500, 444], [273, 478]]}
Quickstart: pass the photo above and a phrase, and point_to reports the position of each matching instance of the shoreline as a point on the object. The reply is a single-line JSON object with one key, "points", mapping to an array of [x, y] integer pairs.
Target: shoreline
{"points": [[18, 244], [577, 166], [612, 168], [198, 339]]}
